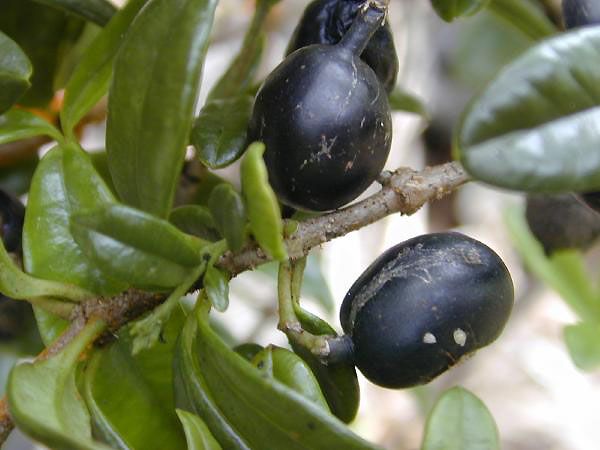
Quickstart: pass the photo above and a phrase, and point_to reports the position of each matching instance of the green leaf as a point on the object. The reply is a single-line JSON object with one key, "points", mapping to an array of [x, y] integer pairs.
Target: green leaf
{"points": [[216, 285], [452, 9], [43, 398], [195, 220], [583, 342], [15, 70], [100, 162], [219, 131], [534, 127], [90, 80], [97, 11], [18, 124], [460, 421], [151, 100], [136, 247], [525, 16], [227, 209], [261, 203], [130, 395], [196, 432], [49, 325], [64, 183], [401, 100]]}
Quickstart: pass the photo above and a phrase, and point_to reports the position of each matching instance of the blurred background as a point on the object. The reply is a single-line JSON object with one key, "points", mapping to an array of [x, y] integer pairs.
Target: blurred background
{"points": [[539, 398]]}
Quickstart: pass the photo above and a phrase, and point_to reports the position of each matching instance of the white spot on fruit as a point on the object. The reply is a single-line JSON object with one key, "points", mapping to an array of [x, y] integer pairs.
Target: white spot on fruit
{"points": [[460, 337], [429, 338]]}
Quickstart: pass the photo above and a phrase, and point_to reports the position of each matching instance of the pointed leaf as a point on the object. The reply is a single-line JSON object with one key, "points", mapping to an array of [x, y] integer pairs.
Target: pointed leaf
{"points": [[196, 432], [195, 220], [216, 285], [18, 124], [534, 127], [402, 100], [583, 342], [227, 208], [525, 16], [261, 203], [151, 100], [15, 70], [460, 421], [452, 9], [97, 11]]}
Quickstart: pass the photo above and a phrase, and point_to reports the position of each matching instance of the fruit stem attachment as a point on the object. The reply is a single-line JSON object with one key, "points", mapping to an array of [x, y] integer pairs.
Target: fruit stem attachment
{"points": [[369, 19]]}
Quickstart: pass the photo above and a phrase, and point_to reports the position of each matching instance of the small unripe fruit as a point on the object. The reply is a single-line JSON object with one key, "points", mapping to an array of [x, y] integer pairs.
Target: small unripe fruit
{"points": [[423, 305]]}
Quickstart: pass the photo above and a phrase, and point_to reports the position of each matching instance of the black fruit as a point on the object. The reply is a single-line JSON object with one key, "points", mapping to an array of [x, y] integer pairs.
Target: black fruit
{"points": [[325, 120], [578, 13], [591, 199], [423, 305], [12, 214], [326, 22], [561, 222]]}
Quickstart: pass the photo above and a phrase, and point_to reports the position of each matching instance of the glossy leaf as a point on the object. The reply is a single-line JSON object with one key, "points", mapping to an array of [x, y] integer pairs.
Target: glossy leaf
{"points": [[195, 220], [136, 247], [49, 325], [261, 203], [216, 285], [402, 100], [97, 11], [525, 16], [130, 395], [460, 421], [15, 70], [18, 124], [64, 183], [452, 9], [197, 434], [44, 402], [90, 80], [583, 342], [534, 127], [151, 100], [227, 209], [219, 131]]}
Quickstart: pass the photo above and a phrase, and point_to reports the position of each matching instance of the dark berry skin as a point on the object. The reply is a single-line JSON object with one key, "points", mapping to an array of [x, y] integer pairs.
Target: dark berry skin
{"points": [[561, 222], [12, 214], [326, 22], [578, 13], [326, 123], [423, 305]]}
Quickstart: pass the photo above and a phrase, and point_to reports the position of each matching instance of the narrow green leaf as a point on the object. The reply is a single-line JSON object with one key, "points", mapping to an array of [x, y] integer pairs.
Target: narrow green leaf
{"points": [[195, 220], [524, 16], [15, 70], [583, 342], [534, 127], [151, 100], [196, 432], [44, 402], [227, 209], [90, 80], [261, 203], [216, 285], [460, 421], [452, 9], [136, 247], [402, 100], [18, 124], [97, 11]]}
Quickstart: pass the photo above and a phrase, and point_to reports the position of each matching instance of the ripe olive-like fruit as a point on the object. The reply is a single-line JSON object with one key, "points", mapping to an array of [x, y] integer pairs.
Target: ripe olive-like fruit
{"points": [[325, 120], [326, 22], [578, 13], [12, 215], [423, 305], [561, 222]]}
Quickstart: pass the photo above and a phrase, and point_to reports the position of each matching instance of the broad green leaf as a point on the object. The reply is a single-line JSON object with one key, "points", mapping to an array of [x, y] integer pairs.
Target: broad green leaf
{"points": [[64, 183], [100, 162], [460, 421], [452, 9], [136, 247], [219, 131], [131, 397], [97, 11], [583, 342], [195, 220], [534, 127], [564, 271], [523, 15], [18, 124], [401, 100], [228, 211], [197, 434], [151, 100], [90, 80], [44, 402], [268, 414], [15, 70], [261, 203], [216, 286]]}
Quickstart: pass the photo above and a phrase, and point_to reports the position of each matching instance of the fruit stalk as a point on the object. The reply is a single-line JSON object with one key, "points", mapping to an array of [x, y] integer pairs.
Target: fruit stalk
{"points": [[370, 18]]}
